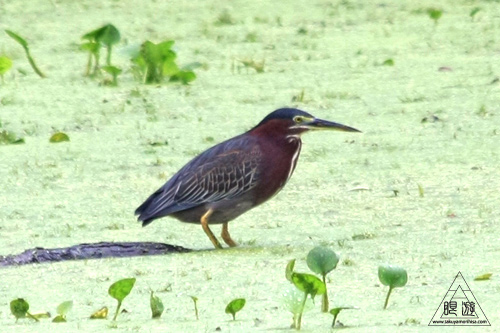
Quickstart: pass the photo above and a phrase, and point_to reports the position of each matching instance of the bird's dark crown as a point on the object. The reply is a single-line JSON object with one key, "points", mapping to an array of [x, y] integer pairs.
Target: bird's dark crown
{"points": [[284, 114]]}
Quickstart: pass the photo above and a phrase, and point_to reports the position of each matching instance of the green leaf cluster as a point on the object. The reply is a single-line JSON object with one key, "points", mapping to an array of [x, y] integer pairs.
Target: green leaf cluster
{"points": [[20, 309], [156, 63], [308, 283], [107, 35]]}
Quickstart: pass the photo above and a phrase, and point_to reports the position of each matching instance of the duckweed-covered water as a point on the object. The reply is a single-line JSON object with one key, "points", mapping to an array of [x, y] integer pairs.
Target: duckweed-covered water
{"points": [[418, 188]]}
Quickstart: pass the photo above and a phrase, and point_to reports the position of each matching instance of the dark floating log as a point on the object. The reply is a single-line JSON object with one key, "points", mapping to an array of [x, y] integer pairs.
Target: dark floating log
{"points": [[90, 251]]}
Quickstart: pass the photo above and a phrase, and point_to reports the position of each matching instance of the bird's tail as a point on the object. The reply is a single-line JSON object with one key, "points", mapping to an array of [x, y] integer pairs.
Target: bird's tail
{"points": [[142, 211]]}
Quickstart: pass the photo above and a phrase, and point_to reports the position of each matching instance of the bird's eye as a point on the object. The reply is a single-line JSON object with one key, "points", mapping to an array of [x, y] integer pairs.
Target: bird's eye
{"points": [[298, 119]]}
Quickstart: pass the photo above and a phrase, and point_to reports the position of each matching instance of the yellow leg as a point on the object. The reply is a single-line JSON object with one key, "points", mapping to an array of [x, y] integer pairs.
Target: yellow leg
{"points": [[204, 225], [227, 237]]}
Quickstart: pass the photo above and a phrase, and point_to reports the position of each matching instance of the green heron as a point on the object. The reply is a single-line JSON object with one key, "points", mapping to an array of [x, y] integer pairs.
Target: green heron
{"points": [[236, 175]]}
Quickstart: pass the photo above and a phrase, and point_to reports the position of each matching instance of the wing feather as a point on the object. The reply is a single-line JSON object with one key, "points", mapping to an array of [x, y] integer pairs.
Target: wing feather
{"points": [[223, 172]]}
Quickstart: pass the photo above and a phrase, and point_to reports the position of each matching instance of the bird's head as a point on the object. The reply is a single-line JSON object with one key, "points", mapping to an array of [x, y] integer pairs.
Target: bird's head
{"points": [[295, 122]]}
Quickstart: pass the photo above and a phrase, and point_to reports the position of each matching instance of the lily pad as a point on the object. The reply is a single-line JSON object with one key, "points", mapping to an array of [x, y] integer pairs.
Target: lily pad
{"points": [[322, 260], [392, 276]]}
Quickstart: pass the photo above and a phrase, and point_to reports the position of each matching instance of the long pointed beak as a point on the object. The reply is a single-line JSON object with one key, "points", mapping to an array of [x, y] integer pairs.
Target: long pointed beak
{"points": [[325, 124]]}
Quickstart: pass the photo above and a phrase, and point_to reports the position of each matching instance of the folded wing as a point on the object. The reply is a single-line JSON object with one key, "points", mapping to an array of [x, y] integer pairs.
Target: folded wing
{"points": [[223, 172]]}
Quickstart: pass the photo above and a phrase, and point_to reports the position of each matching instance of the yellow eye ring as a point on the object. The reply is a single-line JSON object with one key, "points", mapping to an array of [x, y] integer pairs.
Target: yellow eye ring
{"points": [[298, 119]]}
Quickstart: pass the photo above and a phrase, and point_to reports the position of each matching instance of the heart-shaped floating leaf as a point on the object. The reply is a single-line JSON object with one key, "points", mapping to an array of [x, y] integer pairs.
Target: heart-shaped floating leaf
{"points": [[102, 313], [309, 284], [392, 276], [19, 308], [156, 306], [59, 137], [322, 260], [234, 306], [121, 288]]}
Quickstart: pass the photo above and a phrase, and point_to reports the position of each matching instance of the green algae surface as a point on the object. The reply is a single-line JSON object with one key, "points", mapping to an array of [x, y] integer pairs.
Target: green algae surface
{"points": [[418, 188]]}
